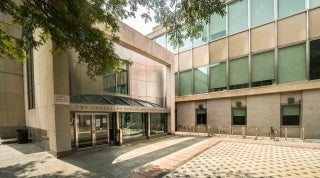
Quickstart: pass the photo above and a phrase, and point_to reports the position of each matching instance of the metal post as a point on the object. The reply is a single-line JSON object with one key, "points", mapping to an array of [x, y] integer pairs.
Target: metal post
{"points": [[256, 133], [198, 130], [230, 131], [190, 129], [219, 130], [286, 134], [302, 134], [243, 132]]}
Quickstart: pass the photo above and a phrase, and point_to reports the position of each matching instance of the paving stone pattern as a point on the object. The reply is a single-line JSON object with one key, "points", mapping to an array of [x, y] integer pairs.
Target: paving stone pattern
{"points": [[232, 159]]}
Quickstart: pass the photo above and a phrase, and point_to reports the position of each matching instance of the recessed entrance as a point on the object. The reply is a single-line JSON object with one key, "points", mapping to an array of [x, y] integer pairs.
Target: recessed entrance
{"points": [[92, 129]]}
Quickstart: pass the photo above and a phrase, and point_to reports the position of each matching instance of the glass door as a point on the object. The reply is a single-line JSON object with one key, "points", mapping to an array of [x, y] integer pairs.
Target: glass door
{"points": [[84, 130], [101, 129]]}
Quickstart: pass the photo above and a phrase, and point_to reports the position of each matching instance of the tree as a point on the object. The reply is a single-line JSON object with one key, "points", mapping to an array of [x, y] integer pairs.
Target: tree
{"points": [[70, 24]]}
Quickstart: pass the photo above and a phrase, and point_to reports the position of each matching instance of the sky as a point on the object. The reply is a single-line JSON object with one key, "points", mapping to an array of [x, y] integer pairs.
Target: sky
{"points": [[139, 24]]}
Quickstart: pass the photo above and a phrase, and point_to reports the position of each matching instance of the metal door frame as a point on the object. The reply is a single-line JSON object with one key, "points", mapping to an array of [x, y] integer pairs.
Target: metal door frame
{"points": [[93, 128]]}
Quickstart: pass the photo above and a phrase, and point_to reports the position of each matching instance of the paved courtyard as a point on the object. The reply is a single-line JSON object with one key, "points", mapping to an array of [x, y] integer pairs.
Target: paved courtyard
{"points": [[233, 159], [170, 156]]}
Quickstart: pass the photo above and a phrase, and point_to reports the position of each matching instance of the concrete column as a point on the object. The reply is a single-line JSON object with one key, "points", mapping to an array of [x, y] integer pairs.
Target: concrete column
{"points": [[170, 97], [148, 125]]}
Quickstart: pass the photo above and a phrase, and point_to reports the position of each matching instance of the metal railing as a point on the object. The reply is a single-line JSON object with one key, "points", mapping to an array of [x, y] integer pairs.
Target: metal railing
{"points": [[242, 131]]}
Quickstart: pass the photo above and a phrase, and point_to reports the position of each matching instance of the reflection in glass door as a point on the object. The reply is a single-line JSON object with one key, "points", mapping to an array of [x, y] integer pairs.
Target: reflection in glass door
{"points": [[101, 129], [84, 129]]}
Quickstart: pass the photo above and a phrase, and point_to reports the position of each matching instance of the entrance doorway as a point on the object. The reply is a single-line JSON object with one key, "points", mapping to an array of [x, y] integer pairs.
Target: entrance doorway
{"points": [[92, 129]]}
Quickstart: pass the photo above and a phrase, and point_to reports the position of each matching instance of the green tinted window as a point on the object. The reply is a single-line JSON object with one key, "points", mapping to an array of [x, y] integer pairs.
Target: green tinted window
{"points": [[315, 59], [239, 112], [201, 80], [185, 83], [238, 16], [290, 7], [291, 110], [261, 12], [263, 66], [239, 71], [176, 83], [109, 82], [292, 64], [217, 26], [187, 43], [218, 76], [162, 40], [203, 39], [314, 3], [170, 46]]}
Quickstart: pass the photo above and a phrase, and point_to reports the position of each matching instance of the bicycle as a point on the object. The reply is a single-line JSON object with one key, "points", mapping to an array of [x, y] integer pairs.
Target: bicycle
{"points": [[274, 134]]}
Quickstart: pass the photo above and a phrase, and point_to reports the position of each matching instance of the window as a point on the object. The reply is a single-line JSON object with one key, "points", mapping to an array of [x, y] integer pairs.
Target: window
{"points": [[116, 82], [238, 16], [185, 83], [187, 43], [161, 40], [261, 12], [158, 123], [217, 26], [133, 125], [201, 115], [292, 64], [290, 7], [200, 80], [239, 73], [314, 3], [315, 59], [291, 115], [170, 45], [263, 69], [203, 39], [218, 77], [176, 83], [30, 80], [239, 116]]}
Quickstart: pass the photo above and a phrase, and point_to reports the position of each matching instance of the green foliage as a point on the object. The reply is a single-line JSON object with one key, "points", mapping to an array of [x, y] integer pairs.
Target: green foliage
{"points": [[70, 24]]}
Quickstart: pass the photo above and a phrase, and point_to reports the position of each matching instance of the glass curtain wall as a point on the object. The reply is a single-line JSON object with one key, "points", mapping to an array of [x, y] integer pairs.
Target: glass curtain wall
{"points": [[203, 39], [200, 80], [261, 12], [187, 43], [292, 64], [290, 7], [239, 73], [238, 16], [263, 65], [217, 26], [116, 82], [185, 83], [133, 125], [162, 40], [218, 77], [314, 3], [315, 59], [158, 123]]}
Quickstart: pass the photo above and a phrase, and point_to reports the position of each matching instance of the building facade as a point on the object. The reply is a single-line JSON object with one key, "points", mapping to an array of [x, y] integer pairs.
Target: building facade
{"points": [[254, 68], [64, 110]]}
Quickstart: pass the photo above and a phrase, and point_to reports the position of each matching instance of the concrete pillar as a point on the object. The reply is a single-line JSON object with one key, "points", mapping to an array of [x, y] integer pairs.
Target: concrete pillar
{"points": [[170, 97], [148, 125]]}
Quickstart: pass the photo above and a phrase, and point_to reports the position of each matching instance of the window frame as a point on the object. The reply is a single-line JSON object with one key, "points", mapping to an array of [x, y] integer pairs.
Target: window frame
{"points": [[290, 105], [232, 116]]}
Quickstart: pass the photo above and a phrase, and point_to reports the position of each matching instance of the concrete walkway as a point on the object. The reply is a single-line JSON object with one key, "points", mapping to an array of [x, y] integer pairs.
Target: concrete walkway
{"points": [[170, 156]]}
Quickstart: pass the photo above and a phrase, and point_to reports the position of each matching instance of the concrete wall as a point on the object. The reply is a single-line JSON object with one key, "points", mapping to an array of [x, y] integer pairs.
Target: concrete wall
{"points": [[12, 115], [263, 111], [146, 77], [311, 113]]}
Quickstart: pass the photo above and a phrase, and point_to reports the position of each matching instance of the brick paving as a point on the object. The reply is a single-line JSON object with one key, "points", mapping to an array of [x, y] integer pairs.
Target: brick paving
{"points": [[170, 156], [236, 159]]}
